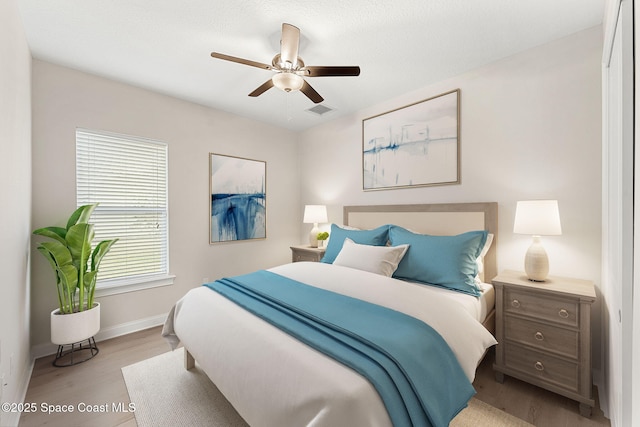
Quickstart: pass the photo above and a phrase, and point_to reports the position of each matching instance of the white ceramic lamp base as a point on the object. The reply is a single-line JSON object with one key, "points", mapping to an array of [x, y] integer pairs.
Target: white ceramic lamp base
{"points": [[313, 236], [536, 261]]}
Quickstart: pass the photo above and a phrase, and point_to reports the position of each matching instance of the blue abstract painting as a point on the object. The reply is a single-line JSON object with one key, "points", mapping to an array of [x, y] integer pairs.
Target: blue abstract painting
{"points": [[238, 198], [416, 145]]}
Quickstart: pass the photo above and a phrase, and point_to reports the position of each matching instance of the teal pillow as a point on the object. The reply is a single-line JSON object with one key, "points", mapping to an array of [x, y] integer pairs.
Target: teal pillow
{"points": [[376, 237], [445, 261]]}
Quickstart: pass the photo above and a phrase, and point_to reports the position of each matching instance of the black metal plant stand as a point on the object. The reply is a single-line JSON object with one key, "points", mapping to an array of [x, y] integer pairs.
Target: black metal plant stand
{"points": [[79, 352]]}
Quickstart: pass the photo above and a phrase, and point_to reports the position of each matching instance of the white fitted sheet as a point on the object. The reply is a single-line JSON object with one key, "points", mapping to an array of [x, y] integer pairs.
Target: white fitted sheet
{"points": [[477, 307]]}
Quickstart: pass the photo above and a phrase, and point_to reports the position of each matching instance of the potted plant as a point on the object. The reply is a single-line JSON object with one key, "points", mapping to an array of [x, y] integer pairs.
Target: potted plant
{"points": [[75, 265], [322, 237]]}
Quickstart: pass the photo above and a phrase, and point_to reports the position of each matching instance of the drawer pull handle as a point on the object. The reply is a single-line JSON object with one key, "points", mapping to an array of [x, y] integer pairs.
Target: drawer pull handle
{"points": [[539, 366], [515, 303], [539, 336], [563, 313]]}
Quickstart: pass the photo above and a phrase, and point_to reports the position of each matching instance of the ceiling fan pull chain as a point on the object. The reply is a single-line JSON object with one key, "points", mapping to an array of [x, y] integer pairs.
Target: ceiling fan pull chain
{"points": [[287, 106]]}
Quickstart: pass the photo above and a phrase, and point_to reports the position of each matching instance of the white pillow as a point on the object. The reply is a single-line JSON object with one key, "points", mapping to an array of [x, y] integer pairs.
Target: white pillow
{"points": [[480, 259], [382, 260]]}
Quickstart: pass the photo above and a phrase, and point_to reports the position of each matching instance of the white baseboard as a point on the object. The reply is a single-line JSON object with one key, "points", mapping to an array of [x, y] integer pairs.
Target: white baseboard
{"points": [[603, 397], [129, 327], [12, 419], [114, 331]]}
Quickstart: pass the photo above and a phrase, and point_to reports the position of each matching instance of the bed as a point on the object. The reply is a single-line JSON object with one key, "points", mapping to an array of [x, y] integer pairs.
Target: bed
{"points": [[273, 379]]}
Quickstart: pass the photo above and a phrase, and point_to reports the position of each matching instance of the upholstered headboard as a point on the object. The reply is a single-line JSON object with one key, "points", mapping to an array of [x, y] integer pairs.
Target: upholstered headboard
{"points": [[438, 219]]}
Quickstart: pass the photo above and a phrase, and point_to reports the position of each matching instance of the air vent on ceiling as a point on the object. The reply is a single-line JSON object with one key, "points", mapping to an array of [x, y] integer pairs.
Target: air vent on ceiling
{"points": [[319, 109]]}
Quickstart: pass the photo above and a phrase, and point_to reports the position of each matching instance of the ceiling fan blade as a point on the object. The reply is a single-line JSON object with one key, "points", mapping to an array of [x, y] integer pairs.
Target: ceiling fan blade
{"points": [[240, 60], [262, 89], [330, 71], [311, 93], [289, 44]]}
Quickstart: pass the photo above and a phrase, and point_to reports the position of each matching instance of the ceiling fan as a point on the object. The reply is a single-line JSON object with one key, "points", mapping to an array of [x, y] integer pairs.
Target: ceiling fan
{"points": [[290, 68]]}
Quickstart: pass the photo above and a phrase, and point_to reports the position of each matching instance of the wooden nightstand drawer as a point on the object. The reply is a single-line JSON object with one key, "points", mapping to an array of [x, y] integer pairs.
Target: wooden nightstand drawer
{"points": [[306, 253], [545, 337], [304, 256], [557, 310], [552, 370]]}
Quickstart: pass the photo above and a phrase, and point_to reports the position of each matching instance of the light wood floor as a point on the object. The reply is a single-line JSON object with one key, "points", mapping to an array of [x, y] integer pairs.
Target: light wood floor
{"points": [[99, 382], [530, 403], [96, 382]]}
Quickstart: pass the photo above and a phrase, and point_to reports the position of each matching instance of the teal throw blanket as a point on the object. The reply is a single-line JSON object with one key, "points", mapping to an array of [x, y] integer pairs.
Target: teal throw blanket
{"points": [[411, 366]]}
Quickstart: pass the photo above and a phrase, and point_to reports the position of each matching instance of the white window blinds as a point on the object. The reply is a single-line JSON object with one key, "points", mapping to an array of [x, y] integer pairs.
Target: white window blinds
{"points": [[127, 176]]}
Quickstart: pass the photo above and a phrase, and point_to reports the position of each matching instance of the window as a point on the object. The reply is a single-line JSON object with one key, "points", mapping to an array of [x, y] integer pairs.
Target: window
{"points": [[127, 176]]}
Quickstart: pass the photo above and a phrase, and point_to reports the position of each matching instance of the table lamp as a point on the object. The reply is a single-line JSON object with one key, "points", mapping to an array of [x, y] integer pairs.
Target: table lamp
{"points": [[314, 214], [537, 218]]}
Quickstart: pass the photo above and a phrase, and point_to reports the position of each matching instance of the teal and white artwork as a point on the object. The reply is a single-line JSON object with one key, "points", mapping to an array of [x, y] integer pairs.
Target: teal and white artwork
{"points": [[416, 145], [238, 198]]}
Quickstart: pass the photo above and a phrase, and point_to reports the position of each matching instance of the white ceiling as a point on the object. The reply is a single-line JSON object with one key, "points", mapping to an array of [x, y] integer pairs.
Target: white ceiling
{"points": [[400, 45]]}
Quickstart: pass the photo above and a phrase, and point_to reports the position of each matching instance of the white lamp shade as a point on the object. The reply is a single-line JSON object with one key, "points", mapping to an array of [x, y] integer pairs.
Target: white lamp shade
{"points": [[315, 214], [537, 218]]}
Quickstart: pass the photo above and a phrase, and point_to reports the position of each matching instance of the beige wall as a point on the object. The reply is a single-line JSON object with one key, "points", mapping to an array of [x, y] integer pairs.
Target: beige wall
{"points": [[15, 217], [530, 129], [64, 99]]}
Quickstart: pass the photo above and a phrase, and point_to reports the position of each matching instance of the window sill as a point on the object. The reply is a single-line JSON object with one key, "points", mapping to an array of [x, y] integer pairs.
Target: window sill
{"points": [[132, 285]]}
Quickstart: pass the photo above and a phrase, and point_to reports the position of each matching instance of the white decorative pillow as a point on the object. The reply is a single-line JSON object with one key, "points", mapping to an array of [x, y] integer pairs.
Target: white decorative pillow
{"points": [[480, 259], [382, 260]]}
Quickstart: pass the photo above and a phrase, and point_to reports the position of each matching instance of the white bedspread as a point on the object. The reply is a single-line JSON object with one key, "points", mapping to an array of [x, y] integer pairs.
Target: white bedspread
{"points": [[274, 380]]}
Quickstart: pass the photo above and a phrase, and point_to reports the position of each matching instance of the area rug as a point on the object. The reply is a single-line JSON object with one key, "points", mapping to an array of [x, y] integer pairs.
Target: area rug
{"points": [[165, 394]]}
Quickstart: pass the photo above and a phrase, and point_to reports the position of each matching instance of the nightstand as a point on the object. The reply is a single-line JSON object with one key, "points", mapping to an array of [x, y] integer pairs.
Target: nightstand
{"points": [[306, 253], [544, 334]]}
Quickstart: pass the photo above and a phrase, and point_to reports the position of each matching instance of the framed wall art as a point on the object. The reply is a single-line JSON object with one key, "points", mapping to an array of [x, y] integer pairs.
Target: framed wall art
{"points": [[238, 198], [416, 145]]}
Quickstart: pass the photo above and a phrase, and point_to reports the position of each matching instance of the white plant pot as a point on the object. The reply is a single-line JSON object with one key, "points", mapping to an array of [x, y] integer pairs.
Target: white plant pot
{"points": [[75, 327]]}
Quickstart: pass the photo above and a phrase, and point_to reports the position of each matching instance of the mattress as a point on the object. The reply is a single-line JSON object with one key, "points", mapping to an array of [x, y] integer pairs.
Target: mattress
{"points": [[274, 380]]}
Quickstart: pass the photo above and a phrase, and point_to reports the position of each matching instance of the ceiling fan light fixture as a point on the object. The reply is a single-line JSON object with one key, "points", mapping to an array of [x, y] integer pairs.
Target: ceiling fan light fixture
{"points": [[287, 82]]}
